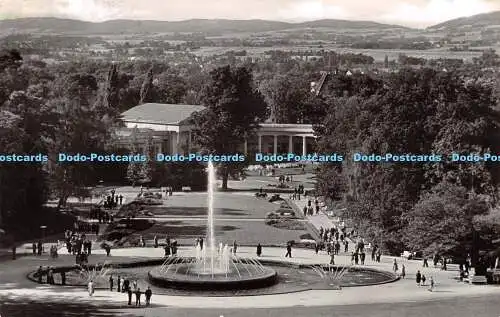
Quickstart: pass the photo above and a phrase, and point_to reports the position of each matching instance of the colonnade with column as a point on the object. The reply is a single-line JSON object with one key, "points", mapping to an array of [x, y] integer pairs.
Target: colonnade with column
{"points": [[302, 149]]}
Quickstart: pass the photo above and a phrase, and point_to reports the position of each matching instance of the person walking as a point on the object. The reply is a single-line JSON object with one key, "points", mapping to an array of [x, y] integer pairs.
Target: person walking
{"points": [[111, 283], [431, 288], [155, 241], [418, 278], [423, 280], [362, 258], [425, 264], [235, 246], [118, 284], [332, 258], [288, 250], [148, 293], [395, 266], [129, 293], [90, 288], [259, 250], [403, 271], [138, 297]]}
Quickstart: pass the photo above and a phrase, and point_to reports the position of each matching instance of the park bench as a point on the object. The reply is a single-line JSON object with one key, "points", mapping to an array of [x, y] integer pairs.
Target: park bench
{"points": [[478, 279]]}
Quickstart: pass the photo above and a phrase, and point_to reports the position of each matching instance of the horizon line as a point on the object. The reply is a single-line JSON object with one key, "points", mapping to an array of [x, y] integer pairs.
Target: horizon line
{"points": [[289, 21]]}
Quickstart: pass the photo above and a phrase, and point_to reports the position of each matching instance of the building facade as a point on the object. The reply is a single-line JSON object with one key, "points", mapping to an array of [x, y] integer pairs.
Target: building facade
{"points": [[166, 129]]}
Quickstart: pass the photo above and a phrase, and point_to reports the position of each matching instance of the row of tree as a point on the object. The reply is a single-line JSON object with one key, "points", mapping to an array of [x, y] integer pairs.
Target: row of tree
{"points": [[423, 207]]}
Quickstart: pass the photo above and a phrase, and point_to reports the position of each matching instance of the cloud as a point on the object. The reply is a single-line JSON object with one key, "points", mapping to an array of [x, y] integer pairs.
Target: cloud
{"points": [[407, 12]]}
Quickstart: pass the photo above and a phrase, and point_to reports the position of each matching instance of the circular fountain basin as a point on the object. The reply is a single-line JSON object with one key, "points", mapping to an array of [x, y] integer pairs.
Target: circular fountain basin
{"points": [[240, 276]]}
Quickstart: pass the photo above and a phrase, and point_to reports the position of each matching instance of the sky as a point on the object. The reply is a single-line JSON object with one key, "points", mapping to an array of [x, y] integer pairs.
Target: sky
{"points": [[413, 13]]}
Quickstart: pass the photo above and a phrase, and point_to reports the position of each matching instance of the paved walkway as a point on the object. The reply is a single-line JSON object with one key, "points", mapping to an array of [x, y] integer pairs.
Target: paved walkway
{"points": [[400, 291]]}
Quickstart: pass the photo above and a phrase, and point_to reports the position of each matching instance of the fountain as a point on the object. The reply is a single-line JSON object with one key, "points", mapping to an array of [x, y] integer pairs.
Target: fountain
{"points": [[214, 266]]}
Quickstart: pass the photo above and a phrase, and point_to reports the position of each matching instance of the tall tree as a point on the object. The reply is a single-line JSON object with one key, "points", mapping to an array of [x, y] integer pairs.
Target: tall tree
{"points": [[234, 109], [147, 88]]}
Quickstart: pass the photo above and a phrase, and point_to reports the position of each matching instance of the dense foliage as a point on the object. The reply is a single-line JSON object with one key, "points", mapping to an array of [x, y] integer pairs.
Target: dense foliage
{"points": [[418, 112]]}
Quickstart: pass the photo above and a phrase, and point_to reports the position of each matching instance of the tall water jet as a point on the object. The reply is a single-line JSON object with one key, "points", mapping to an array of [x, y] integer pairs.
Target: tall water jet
{"points": [[212, 183], [213, 266]]}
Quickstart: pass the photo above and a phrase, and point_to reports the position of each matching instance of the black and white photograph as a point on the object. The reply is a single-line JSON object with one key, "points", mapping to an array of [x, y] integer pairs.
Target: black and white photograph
{"points": [[249, 158]]}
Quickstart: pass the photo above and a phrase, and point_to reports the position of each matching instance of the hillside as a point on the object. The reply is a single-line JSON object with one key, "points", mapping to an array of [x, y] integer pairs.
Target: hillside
{"points": [[66, 26], [479, 20]]}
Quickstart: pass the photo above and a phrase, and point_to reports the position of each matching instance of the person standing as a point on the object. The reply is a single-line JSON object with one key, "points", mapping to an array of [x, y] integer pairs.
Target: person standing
{"points": [[332, 258], [316, 247], [259, 250], [39, 274], [111, 283], [138, 297], [403, 271], [395, 266], [129, 293], [90, 288], [235, 246], [39, 247], [432, 285], [34, 248], [362, 258], [418, 278], [423, 280], [118, 284], [155, 241], [288, 250], [148, 293], [426, 264], [134, 285]]}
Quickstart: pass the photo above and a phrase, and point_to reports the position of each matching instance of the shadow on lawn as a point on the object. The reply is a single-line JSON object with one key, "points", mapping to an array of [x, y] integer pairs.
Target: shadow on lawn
{"points": [[194, 211], [45, 308]]}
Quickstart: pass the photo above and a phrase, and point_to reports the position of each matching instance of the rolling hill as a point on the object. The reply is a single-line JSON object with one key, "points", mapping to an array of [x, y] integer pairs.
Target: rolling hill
{"points": [[477, 21], [115, 27]]}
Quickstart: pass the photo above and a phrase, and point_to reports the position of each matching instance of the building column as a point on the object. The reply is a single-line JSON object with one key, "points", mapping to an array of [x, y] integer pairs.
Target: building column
{"points": [[245, 147], [260, 143], [178, 142], [275, 144], [290, 144], [304, 145]]}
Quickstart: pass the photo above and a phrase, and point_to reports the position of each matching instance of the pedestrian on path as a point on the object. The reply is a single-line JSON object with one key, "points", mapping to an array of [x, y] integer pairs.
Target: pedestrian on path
{"points": [[403, 271], [332, 259], [129, 293], [118, 284], [423, 280], [259, 250], [111, 283], [395, 266], [148, 293], [418, 278], [432, 285], [288, 250], [90, 288], [138, 297]]}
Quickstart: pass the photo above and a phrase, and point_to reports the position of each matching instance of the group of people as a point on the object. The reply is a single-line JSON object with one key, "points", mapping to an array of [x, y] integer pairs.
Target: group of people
{"points": [[113, 200], [101, 216], [37, 248], [49, 273], [297, 191], [309, 210], [123, 286], [420, 279]]}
